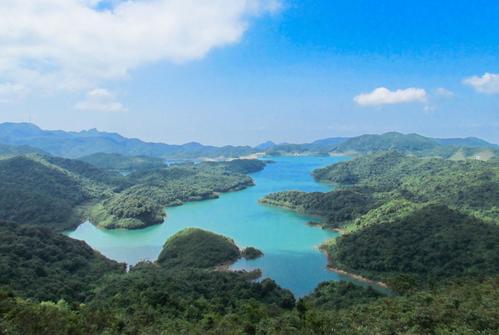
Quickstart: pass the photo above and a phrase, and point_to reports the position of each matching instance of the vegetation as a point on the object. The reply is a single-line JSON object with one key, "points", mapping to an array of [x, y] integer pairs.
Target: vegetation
{"points": [[39, 264], [430, 245], [418, 145], [410, 222], [340, 206], [427, 227], [59, 193], [185, 295], [16, 150], [117, 162], [198, 249], [35, 193], [367, 183], [143, 204], [251, 253], [339, 295]]}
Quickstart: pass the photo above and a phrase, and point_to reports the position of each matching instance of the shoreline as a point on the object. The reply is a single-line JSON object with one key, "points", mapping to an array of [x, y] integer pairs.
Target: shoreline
{"points": [[330, 266]]}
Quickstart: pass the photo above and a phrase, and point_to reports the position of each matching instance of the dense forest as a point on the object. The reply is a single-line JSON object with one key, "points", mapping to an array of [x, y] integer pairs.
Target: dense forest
{"points": [[195, 298], [117, 162], [60, 193], [410, 222], [381, 182]]}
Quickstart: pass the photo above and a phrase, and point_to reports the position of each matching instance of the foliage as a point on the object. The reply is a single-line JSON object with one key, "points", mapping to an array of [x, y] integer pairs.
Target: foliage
{"points": [[415, 144], [58, 192], [431, 244], [40, 264], [471, 186], [339, 295], [37, 194], [199, 249], [339, 206], [142, 204], [117, 162], [251, 253]]}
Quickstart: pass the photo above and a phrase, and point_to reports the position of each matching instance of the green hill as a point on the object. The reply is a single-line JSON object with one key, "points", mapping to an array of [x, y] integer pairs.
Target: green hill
{"points": [[112, 161], [198, 249], [470, 186], [39, 264], [429, 245], [418, 145], [35, 193]]}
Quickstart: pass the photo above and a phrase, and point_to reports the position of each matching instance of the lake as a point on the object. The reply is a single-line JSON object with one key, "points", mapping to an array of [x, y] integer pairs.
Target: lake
{"points": [[289, 244]]}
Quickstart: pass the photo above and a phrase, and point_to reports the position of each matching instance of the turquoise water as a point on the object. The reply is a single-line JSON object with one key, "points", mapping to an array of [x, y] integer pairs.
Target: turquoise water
{"points": [[291, 256]]}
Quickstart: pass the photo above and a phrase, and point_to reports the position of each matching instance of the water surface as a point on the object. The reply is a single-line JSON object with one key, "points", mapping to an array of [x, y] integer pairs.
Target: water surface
{"points": [[289, 245]]}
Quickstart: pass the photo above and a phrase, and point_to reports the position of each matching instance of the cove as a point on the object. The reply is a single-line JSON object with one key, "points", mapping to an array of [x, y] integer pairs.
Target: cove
{"points": [[289, 244]]}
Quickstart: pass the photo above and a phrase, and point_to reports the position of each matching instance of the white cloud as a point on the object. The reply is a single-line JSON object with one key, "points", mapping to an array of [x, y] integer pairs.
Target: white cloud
{"points": [[64, 44], [444, 93], [488, 83], [10, 92], [100, 100], [383, 96]]}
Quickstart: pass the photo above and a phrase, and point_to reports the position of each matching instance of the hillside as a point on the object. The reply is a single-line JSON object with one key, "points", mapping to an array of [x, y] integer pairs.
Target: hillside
{"points": [[407, 220], [151, 191], [87, 142], [198, 249], [39, 264], [59, 193], [117, 162], [429, 245], [418, 145], [16, 150], [470, 186], [37, 192]]}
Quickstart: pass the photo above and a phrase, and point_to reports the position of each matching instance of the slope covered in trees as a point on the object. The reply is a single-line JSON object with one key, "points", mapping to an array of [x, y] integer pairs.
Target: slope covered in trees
{"points": [[198, 249], [418, 145], [40, 264], [34, 191], [386, 179], [143, 203], [430, 245], [117, 162], [60, 193], [190, 297]]}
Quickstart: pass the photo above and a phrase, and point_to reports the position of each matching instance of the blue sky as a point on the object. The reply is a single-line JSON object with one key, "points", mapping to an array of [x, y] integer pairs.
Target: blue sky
{"points": [[256, 70]]}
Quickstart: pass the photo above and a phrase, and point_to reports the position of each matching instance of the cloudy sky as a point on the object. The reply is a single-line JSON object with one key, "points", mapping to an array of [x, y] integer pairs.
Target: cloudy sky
{"points": [[246, 71]]}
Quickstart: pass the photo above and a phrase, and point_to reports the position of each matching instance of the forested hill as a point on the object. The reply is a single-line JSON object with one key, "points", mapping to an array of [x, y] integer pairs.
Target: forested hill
{"points": [[39, 264], [419, 145], [117, 162], [38, 190], [78, 144], [59, 193], [408, 221]]}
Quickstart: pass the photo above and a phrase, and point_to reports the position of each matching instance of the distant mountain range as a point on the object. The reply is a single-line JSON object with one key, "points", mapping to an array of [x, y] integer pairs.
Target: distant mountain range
{"points": [[87, 142], [20, 138]]}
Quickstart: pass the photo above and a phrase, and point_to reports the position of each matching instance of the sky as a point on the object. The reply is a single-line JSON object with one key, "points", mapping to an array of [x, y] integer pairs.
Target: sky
{"points": [[247, 71]]}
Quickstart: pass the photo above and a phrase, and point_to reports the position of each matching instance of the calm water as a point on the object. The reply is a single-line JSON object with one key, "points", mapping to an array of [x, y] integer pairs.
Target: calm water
{"points": [[289, 244]]}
